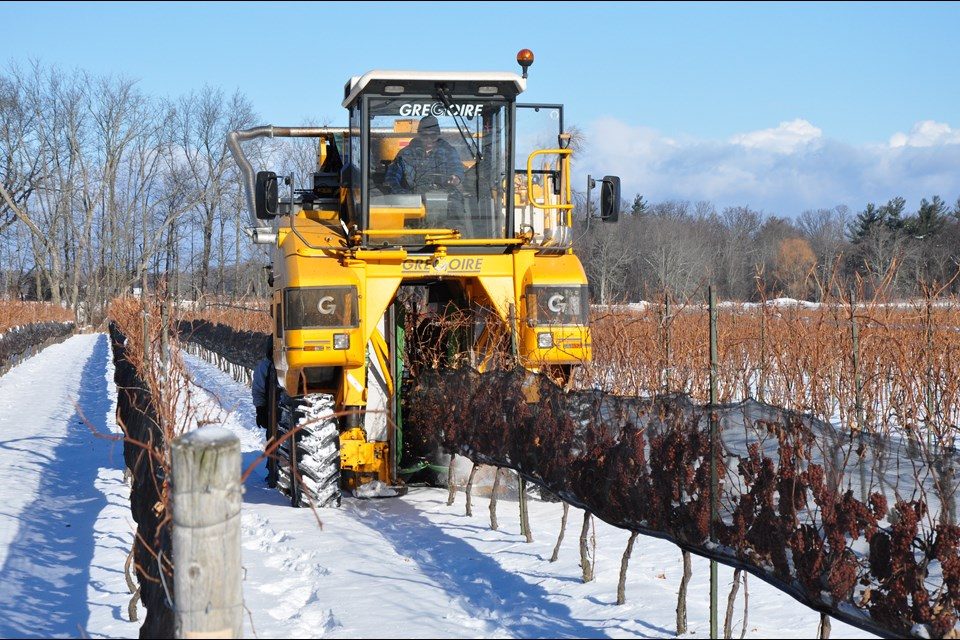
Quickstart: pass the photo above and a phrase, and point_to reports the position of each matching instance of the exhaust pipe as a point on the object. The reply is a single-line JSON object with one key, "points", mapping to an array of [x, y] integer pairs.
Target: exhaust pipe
{"points": [[263, 235], [235, 139]]}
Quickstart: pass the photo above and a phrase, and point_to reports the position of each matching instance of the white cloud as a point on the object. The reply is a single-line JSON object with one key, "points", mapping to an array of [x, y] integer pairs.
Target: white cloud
{"points": [[927, 133], [786, 138], [782, 170]]}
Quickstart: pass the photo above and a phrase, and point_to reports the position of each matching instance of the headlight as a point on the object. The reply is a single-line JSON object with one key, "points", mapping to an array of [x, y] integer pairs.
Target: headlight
{"points": [[341, 341], [545, 340]]}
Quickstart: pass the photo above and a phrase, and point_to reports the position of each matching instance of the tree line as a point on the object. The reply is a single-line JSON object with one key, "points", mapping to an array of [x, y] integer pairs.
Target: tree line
{"points": [[679, 247], [106, 188]]}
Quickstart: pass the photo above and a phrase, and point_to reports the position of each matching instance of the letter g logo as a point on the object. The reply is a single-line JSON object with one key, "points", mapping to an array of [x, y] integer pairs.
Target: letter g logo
{"points": [[557, 303], [326, 306]]}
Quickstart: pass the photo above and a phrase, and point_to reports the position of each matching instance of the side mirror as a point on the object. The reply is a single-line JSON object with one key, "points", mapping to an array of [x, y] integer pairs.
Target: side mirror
{"points": [[610, 199], [266, 196]]}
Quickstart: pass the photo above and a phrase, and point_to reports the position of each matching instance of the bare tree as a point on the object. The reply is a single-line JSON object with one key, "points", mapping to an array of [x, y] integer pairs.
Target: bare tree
{"points": [[607, 253], [880, 253], [92, 173], [119, 170], [674, 252], [739, 254], [55, 104], [825, 230], [20, 167], [204, 120]]}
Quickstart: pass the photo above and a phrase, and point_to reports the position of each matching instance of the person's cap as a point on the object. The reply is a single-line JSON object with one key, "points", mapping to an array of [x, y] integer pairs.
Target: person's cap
{"points": [[429, 126]]}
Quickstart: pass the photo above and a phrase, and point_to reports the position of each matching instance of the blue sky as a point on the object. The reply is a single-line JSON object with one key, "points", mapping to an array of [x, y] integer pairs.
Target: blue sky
{"points": [[780, 106]]}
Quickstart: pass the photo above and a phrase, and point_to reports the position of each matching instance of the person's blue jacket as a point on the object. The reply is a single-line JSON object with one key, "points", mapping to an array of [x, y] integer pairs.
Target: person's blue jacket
{"points": [[259, 384], [414, 171]]}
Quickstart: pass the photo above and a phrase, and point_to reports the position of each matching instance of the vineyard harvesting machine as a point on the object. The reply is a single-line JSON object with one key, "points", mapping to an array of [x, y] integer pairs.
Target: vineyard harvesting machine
{"points": [[367, 268]]}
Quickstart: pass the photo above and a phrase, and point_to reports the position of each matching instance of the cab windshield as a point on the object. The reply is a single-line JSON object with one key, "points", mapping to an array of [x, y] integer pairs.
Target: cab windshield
{"points": [[437, 165]]}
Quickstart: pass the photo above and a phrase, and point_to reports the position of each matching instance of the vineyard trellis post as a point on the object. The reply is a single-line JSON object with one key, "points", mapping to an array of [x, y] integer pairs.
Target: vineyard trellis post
{"points": [[858, 394], [208, 599], [514, 341], [666, 342], [857, 379], [928, 390], [762, 382], [146, 318], [946, 480], [714, 366], [165, 353], [760, 393]]}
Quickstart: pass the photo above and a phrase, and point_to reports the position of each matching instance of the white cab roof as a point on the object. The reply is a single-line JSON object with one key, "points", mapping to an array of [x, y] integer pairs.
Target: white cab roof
{"points": [[359, 83]]}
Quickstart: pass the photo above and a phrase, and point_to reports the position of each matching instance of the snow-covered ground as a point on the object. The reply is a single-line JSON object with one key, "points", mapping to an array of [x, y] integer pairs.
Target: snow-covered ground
{"points": [[401, 567], [65, 523]]}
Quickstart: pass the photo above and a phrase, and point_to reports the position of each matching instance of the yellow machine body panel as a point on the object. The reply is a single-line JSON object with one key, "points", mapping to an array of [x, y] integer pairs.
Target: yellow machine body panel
{"points": [[366, 460], [552, 313]]}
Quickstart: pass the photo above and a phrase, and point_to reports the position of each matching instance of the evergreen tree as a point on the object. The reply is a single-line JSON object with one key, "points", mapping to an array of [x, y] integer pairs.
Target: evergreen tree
{"points": [[640, 206], [868, 219], [930, 218], [893, 213], [873, 217]]}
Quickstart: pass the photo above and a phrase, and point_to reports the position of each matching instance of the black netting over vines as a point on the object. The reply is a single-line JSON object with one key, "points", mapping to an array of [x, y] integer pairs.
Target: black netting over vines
{"points": [[862, 528], [22, 342], [243, 348], [143, 441]]}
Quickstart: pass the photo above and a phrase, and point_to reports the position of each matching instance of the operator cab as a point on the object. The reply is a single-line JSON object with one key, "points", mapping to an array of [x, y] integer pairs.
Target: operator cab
{"points": [[396, 194], [432, 159]]}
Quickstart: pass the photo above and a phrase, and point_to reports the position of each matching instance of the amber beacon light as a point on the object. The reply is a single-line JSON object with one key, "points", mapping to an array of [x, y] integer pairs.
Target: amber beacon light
{"points": [[525, 59]]}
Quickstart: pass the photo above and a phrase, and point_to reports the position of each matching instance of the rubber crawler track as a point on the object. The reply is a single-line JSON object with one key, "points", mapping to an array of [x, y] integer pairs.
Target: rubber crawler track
{"points": [[317, 447]]}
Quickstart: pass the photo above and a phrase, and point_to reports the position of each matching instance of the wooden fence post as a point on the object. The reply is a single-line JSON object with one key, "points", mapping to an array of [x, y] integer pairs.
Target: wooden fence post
{"points": [[714, 452], [208, 600]]}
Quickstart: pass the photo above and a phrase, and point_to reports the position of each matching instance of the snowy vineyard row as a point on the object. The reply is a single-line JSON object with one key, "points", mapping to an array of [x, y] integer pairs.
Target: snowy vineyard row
{"points": [[153, 408], [848, 554]]}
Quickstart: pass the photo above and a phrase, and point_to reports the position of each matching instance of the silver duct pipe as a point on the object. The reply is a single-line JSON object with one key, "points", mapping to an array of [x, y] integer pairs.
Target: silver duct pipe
{"points": [[236, 138]]}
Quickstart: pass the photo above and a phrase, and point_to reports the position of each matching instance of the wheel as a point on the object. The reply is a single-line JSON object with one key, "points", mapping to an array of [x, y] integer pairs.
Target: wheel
{"points": [[316, 448]]}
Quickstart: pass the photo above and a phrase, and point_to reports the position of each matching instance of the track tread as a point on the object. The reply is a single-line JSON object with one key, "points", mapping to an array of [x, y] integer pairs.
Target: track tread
{"points": [[318, 451]]}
